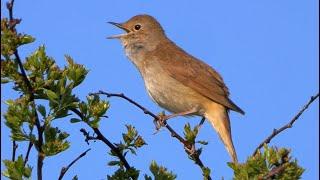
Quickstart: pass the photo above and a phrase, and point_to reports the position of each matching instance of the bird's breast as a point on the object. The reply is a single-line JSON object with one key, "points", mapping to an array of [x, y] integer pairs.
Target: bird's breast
{"points": [[168, 92]]}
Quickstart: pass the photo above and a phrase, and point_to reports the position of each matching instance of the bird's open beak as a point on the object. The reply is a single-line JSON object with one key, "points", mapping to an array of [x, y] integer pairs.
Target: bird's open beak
{"points": [[121, 27]]}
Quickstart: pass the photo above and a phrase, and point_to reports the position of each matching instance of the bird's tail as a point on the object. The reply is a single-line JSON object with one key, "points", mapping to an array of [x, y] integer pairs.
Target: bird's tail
{"points": [[219, 119]]}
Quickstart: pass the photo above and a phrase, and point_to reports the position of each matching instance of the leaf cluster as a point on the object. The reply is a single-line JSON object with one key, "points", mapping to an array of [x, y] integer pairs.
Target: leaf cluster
{"points": [[272, 163], [92, 111], [190, 135], [10, 39], [49, 83], [16, 169], [160, 172], [44, 88], [131, 142]]}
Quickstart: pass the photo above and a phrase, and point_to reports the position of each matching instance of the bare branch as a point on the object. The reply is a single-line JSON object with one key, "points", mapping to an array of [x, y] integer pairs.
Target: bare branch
{"points": [[29, 149], [14, 149], [275, 171], [189, 147], [88, 136], [201, 123], [102, 138], [146, 111], [286, 126], [28, 152], [13, 21], [65, 169]]}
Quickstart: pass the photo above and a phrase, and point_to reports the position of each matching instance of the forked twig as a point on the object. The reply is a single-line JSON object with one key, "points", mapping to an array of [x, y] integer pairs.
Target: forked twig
{"points": [[65, 169], [275, 132]]}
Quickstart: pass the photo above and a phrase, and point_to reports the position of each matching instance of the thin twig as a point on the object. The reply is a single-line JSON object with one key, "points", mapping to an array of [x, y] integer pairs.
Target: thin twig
{"points": [[88, 136], [9, 6], [275, 171], [189, 147], [102, 138], [65, 169], [28, 152], [201, 123], [115, 149], [31, 93], [29, 149], [286, 126], [14, 149]]}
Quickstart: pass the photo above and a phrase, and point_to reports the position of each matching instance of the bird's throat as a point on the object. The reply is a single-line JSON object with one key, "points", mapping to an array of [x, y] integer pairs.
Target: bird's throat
{"points": [[135, 52]]}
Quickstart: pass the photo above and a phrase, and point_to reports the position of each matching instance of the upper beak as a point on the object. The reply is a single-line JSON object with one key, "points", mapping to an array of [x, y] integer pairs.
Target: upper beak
{"points": [[119, 25]]}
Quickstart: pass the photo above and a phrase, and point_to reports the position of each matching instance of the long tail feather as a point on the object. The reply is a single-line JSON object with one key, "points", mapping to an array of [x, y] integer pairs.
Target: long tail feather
{"points": [[219, 119]]}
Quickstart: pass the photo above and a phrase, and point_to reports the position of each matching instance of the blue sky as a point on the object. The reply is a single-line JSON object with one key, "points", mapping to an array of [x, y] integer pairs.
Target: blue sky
{"points": [[267, 52]]}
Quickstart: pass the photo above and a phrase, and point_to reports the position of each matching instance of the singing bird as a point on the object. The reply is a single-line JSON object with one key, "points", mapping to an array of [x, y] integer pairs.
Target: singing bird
{"points": [[174, 79]]}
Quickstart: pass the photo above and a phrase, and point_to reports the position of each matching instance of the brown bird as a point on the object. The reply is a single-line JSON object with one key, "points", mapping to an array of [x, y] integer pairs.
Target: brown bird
{"points": [[174, 79]]}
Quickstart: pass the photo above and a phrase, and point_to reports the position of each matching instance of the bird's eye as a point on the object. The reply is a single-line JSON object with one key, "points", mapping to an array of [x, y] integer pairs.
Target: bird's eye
{"points": [[137, 27]]}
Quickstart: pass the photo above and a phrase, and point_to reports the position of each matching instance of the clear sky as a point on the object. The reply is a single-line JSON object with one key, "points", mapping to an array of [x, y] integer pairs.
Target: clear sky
{"points": [[267, 52]]}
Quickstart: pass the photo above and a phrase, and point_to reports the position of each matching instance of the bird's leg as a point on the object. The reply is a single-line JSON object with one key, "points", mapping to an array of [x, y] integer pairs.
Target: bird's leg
{"points": [[193, 110], [200, 123], [161, 121]]}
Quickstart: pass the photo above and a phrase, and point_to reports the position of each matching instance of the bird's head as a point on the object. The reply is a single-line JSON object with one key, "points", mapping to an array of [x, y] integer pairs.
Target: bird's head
{"points": [[139, 29]]}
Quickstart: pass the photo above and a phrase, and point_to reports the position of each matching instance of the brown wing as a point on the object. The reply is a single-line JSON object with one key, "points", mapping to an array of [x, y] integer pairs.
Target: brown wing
{"points": [[195, 74]]}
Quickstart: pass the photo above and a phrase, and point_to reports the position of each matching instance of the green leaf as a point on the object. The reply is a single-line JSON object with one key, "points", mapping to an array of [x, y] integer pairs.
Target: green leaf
{"points": [[16, 169], [83, 107], [258, 166], [75, 72], [4, 81], [122, 174], [203, 142], [160, 172], [18, 114], [190, 134], [54, 141], [132, 150], [75, 120], [26, 39], [139, 142], [42, 110], [113, 163], [52, 95], [127, 139], [206, 172], [27, 172], [94, 123], [94, 110]]}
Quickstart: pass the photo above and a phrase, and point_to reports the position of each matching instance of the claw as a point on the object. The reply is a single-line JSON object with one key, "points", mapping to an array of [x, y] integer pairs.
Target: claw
{"points": [[191, 151], [160, 121]]}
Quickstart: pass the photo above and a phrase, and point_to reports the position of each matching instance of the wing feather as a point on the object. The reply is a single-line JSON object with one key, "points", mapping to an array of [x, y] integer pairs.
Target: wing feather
{"points": [[195, 74]]}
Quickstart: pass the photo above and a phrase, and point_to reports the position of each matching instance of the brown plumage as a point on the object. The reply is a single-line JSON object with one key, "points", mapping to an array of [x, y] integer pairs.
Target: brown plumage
{"points": [[176, 80], [194, 73]]}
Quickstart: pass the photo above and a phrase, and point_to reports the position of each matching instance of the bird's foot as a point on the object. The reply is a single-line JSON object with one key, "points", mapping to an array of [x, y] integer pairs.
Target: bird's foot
{"points": [[191, 149], [161, 121], [162, 118]]}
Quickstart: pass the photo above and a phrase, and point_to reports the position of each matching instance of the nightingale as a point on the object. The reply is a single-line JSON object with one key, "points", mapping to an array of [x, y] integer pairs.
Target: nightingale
{"points": [[174, 79]]}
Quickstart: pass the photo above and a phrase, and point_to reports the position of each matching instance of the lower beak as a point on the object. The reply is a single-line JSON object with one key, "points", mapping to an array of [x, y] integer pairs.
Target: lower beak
{"points": [[119, 26]]}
